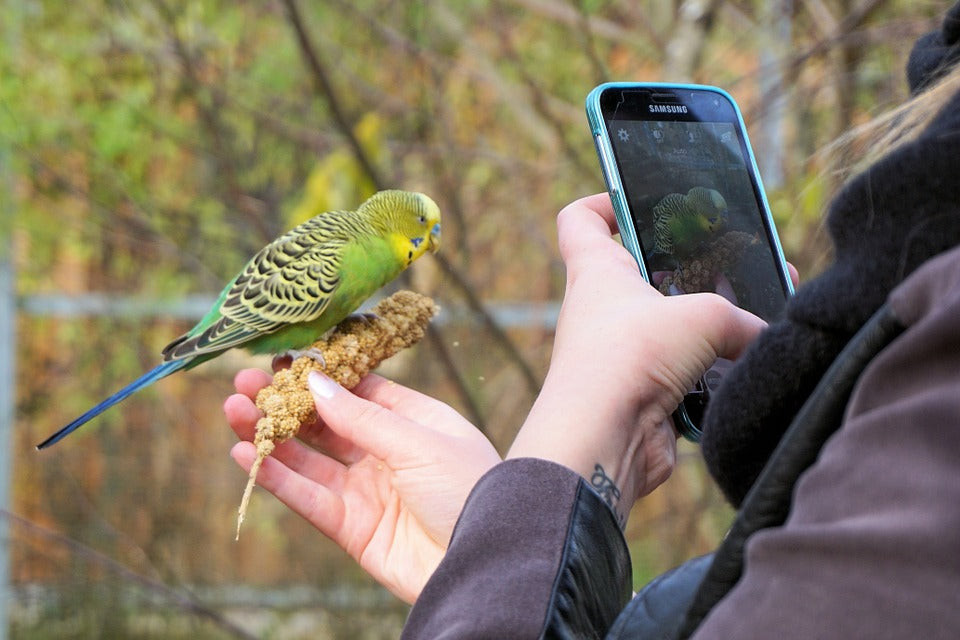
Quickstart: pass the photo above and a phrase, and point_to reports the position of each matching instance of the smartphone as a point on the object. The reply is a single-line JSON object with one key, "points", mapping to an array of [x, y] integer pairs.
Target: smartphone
{"points": [[689, 203]]}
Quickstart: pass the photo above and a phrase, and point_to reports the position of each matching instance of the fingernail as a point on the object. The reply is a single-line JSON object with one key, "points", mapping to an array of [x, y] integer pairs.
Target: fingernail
{"points": [[321, 385]]}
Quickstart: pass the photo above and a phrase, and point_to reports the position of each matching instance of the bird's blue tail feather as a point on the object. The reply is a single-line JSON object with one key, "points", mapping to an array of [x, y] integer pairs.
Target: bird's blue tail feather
{"points": [[146, 379]]}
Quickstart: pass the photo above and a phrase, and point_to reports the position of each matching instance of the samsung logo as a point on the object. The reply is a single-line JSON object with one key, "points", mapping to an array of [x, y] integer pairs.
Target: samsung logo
{"points": [[667, 108]]}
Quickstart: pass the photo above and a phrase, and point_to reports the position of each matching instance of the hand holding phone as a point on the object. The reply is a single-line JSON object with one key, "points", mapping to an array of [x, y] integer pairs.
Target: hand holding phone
{"points": [[689, 202]]}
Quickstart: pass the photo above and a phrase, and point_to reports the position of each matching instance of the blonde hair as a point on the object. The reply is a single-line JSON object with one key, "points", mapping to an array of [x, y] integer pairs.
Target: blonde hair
{"points": [[862, 146]]}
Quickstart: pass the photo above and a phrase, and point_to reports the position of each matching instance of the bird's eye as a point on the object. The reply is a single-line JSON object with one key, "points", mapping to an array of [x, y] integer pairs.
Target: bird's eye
{"points": [[422, 219]]}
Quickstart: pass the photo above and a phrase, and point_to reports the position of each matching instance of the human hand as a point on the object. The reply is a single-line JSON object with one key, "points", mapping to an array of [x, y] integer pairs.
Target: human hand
{"points": [[623, 358], [384, 473]]}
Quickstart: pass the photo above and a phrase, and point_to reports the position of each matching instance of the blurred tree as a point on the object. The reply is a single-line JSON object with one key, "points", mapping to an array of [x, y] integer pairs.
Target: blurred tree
{"points": [[338, 181]]}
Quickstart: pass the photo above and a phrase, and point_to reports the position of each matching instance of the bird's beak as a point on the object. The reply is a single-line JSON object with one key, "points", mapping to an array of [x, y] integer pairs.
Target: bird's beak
{"points": [[433, 244]]}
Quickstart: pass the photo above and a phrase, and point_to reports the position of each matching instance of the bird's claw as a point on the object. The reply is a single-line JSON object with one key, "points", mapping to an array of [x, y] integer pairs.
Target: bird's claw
{"points": [[363, 316], [314, 354]]}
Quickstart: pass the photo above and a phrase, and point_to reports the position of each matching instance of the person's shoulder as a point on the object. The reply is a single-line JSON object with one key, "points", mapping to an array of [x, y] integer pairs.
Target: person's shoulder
{"points": [[933, 288]]}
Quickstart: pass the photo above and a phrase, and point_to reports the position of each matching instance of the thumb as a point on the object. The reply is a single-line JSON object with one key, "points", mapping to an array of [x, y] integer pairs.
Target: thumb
{"points": [[729, 328], [373, 428]]}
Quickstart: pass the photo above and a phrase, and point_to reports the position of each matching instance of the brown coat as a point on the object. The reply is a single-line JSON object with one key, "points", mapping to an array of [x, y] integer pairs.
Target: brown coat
{"points": [[872, 545], [871, 548]]}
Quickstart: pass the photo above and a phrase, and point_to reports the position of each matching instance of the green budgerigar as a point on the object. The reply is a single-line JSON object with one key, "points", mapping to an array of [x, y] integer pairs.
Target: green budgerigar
{"points": [[300, 285], [683, 222]]}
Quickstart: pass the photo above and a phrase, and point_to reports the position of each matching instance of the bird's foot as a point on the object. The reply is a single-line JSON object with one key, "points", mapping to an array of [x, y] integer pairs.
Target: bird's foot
{"points": [[365, 316], [314, 354]]}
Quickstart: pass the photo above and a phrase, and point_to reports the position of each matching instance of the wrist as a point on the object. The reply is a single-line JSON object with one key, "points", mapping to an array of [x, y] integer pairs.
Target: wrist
{"points": [[622, 447]]}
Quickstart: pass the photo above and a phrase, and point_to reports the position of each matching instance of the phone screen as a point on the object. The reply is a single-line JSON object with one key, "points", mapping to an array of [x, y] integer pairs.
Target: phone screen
{"points": [[698, 212]]}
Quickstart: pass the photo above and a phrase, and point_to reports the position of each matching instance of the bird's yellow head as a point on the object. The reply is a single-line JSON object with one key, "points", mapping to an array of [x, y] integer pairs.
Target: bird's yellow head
{"points": [[410, 220], [711, 206]]}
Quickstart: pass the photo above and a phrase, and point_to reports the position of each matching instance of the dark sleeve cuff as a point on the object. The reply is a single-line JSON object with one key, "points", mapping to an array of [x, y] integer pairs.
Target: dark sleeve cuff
{"points": [[535, 552]]}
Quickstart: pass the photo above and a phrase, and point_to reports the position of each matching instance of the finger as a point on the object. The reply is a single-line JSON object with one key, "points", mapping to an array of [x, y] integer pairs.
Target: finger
{"points": [[376, 429], [413, 405], [727, 327], [384, 392], [250, 381], [242, 415], [318, 504], [428, 413], [794, 274], [584, 230], [599, 204], [311, 464], [588, 219], [318, 435]]}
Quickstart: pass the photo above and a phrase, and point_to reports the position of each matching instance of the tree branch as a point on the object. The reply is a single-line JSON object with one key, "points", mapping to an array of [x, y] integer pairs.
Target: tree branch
{"points": [[539, 98], [223, 150], [533, 384], [325, 88], [685, 47]]}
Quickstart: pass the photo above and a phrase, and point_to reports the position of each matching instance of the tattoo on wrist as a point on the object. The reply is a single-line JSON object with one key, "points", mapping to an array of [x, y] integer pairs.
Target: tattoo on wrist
{"points": [[607, 488]]}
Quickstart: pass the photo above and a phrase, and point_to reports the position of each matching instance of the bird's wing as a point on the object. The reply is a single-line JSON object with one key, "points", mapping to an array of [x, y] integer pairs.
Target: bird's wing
{"points": [[665, 213], [289, 281]]}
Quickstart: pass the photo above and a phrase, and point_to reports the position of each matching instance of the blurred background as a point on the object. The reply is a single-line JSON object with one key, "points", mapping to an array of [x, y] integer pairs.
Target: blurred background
{"points": [[147, 149]]}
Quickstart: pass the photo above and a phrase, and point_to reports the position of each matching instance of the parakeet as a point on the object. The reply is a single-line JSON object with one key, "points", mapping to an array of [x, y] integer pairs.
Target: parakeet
{"points": [[300, 285], [683, 222]]}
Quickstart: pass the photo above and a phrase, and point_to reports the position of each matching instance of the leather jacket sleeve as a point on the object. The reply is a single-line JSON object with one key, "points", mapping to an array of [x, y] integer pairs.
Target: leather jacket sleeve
{"points": [[535, 553]]}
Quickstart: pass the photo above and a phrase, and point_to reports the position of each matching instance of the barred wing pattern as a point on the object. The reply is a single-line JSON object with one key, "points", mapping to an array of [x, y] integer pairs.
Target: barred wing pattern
{"points": [[289, 281], [671, 206]]}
